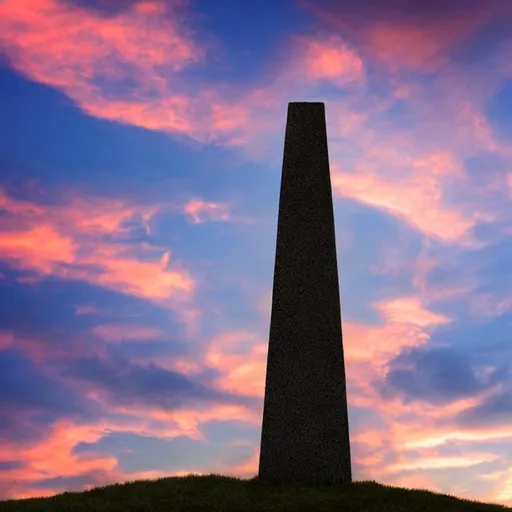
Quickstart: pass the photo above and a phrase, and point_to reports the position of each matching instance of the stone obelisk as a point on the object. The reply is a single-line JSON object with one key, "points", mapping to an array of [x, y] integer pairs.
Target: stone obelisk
{"points": [[305, 433]]}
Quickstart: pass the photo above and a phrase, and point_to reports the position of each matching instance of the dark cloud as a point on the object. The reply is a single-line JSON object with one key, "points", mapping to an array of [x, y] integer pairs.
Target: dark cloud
{"points": [[437, 376], [494, 410], [410, 10], [17, 430], [105, 8], [462, 29], [31, 401], [46, 315], [6, 465], [486, 342], [151, 348], [130, 383], [23, 386]]}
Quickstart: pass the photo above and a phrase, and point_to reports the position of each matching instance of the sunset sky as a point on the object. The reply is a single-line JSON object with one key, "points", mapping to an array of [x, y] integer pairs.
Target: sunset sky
{"points": [[140, 162]]}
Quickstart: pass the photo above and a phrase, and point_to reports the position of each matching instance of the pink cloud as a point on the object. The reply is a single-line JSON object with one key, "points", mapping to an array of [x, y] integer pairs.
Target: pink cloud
{"points": [[68, 241], [415, 194], [123, 332], [415, 198], [57, 42], [38, 247], [327, 58], [51, 457], [77, 52], [86, 309], [6, 339], [401, 36], [201, 211], [488, 306], [71, 49], [421, 46]]}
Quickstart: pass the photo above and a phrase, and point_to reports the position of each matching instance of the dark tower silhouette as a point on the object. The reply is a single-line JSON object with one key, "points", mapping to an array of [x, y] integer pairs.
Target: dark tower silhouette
{"points": [[305, 434]]}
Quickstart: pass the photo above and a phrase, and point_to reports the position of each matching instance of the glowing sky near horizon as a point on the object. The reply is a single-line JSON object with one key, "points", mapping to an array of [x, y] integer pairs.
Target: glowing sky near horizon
{"points": [[140, 160]]}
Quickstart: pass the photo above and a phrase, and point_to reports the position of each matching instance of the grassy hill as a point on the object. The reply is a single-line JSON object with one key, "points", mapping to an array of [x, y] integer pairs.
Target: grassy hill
{"points": [[215, 493]]}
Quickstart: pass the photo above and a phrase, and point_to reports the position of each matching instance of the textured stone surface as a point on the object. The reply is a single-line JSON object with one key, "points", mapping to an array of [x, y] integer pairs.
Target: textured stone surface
{"points": [[305, 434]]}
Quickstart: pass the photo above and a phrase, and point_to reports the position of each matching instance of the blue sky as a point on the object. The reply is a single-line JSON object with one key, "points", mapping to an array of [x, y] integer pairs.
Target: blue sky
{"points": [[141, 155]]}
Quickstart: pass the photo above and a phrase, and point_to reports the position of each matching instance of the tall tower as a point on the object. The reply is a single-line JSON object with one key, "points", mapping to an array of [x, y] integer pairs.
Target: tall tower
{"points": [[305, 434]]}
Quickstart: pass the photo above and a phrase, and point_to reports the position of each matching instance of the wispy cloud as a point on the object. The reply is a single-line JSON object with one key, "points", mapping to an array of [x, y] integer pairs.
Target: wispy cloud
{"points": [[419, 167]]}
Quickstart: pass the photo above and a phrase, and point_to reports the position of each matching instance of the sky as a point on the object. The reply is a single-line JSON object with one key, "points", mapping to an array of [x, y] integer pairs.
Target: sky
{"points": [[140, 162]]}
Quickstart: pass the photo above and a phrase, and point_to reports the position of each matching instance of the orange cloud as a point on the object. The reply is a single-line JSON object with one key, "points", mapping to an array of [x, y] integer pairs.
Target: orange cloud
{"points": [[151, 280], [243, 371], [377, 344], [502, 492], [51, 457], [408, 310]]}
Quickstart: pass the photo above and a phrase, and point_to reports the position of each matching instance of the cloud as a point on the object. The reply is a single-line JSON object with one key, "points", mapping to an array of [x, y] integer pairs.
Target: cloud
{"points": [[240, 360], [495, 410], [409, 310], [29, 400], [408, 147], [123, 332], [437, 375], [406, 35], [109, 65], [201, 211], [88, 239], [125, 382], [42, 318], [325, 58], [115, 7], [112, 70], [417, 202], [115, 47], [424, 175]]}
